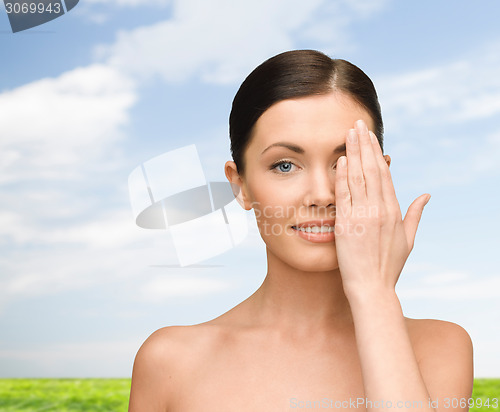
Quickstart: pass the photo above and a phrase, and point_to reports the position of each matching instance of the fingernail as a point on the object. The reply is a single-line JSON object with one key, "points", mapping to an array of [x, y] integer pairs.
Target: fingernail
{"points": [[342, 161], [353, 136], [372, 137], [428, 198], [360, 124]]}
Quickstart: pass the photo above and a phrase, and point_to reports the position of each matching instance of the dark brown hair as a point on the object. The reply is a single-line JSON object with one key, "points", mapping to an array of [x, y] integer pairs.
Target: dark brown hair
{"points": [[293, 74]]}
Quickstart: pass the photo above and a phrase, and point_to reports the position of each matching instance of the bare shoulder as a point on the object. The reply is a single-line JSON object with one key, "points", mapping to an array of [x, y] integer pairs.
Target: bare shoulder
{"points": [[431, 336], [445, 356], [162, 362]]}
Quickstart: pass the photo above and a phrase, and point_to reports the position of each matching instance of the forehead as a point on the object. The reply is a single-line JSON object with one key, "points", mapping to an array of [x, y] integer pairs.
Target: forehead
{"points": [[317, 117]]}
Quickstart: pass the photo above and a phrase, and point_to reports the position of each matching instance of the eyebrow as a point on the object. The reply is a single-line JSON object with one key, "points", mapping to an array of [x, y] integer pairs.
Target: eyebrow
{"points": [[297, 149]]}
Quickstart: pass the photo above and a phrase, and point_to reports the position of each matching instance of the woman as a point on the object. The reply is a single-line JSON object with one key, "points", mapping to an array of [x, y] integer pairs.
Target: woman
{"points": [[325, 329]]}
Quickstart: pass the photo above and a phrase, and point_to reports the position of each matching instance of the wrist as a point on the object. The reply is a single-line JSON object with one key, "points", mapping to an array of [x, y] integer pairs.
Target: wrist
{"points": [[370, 294]]}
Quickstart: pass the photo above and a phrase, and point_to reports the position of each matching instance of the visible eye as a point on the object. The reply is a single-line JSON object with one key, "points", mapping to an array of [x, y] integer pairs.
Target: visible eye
{"points": [[283, 166]]}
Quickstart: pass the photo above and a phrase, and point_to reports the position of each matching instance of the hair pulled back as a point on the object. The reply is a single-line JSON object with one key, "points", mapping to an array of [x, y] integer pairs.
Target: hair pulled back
{"points": [[293, 74]]}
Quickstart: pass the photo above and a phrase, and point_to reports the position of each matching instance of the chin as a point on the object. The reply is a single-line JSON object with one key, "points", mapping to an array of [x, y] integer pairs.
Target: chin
{"points": [[319, 260], [316, 266]]}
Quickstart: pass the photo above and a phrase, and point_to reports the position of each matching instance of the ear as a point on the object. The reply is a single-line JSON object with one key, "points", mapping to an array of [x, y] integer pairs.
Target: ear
{"points": [[387, 159], [237, 185]]}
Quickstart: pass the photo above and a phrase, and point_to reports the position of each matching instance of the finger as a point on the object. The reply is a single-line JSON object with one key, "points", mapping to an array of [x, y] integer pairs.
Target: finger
{"points": [[342, 192], [387, 186], [371, 168], [355, 177], [412, 218]]}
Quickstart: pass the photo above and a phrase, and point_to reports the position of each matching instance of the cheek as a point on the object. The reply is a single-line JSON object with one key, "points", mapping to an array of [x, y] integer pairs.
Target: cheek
{"points": [[275, 202]]}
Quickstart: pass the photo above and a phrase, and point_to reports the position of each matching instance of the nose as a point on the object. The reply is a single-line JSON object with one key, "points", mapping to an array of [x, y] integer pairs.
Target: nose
{"points": [[321, 189]]}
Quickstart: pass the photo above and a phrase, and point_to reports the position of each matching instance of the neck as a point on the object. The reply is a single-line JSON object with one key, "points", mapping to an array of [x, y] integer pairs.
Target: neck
{"points": [[290, 299]]}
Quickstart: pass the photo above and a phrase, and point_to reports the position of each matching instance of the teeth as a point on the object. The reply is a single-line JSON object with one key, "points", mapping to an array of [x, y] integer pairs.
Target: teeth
{"points": [[316, 229]]}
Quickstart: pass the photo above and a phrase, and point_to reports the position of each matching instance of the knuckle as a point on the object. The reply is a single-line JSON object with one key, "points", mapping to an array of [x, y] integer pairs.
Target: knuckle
{"points": [[391, 218], [379, 215], [365, 139], [352, 148], [382, 216], [371, 169]]}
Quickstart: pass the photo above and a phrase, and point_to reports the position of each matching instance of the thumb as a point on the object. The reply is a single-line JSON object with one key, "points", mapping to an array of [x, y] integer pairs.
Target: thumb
{"points": [[412, 218]]}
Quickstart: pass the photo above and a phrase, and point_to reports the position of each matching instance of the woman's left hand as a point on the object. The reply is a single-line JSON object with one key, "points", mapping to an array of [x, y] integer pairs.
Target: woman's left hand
{"points": [[372, 240]]}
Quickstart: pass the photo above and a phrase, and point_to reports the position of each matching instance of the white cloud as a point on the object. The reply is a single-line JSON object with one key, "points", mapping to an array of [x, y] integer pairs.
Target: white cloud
{"points": [[486, 359], [162, 288], [485, 159], [63, 359], [105, 11], [59, 138], [452, 286], [455, 161], [104, 251], [461, 91], [444, 278], [221, 41], [366, 8], [442, 120], [113, 229], [54, 268], [52, 127]]}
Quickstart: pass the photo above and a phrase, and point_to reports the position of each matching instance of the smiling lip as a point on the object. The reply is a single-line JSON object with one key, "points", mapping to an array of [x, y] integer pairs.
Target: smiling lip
{"points": [[319, 230]]}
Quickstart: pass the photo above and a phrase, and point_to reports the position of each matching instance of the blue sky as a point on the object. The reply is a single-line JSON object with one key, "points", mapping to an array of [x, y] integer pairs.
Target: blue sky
{"points": [[88, 97]]}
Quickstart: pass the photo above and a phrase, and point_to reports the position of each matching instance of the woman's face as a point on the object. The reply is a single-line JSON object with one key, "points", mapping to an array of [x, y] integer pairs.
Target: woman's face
{"points": [[289, 177]]}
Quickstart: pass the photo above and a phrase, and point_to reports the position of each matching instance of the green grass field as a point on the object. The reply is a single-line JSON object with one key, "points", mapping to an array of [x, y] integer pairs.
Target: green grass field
{"points": [[64, 395], [96, 395], [487, 389]]}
